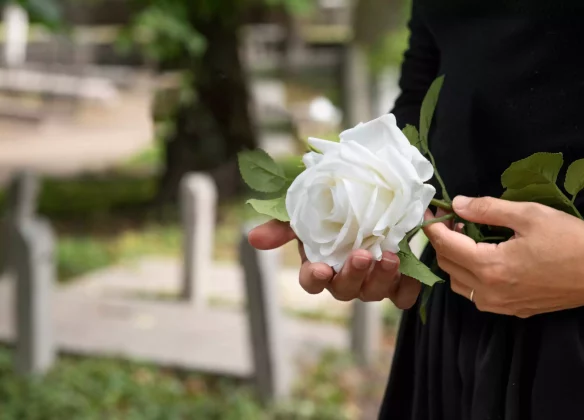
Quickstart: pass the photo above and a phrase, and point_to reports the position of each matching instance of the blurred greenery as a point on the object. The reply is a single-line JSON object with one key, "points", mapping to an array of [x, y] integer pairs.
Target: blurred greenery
{"points": [[45, 12], [88, 388], [107, 220]]}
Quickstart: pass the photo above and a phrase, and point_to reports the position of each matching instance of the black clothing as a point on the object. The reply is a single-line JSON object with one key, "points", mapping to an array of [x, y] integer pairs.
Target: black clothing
{"points": [[514, 86]]}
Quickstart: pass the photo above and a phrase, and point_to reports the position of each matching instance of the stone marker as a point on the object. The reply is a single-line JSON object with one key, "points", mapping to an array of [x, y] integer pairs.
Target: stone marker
{"points": [[16, 27], [366, 332], [198, 207], [271, 364], [29, 246]]}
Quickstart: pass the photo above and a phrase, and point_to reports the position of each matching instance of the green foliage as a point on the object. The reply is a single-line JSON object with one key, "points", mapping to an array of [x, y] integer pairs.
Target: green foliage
{"points": [[88, 389], [426, 116], [411, 266], [166, 29], [46, 12], [413, 136], [575, 178], [79, 254], [260, 172], [275, 208], [534, 178], [427, 111], [539, 168], [547, 194], [426, 295], [102, 389], [390, 51], [164, 32]]}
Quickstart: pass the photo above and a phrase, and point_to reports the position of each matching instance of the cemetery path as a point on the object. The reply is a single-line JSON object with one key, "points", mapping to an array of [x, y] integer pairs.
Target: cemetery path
{"points": [[122, 312], [95, 139]]}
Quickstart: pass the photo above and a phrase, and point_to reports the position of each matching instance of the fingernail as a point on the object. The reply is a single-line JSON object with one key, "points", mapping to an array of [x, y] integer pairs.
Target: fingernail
{"points": [[321, 275], [388, 264], [461, 202], [361, 263]]}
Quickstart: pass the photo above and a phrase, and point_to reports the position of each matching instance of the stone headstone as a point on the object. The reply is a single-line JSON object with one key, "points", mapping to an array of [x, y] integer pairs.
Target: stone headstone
{"points": [[28, 255], [33, 248], [16, 26], [366, 332], [271, 364], [199, 211]]}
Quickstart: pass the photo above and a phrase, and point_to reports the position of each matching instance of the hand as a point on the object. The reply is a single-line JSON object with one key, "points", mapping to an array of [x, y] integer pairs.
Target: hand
{"points": [[541, 269], [359, 279]]}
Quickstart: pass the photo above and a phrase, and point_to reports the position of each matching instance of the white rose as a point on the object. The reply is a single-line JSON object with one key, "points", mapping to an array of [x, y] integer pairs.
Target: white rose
{"points": [[366, 192]]}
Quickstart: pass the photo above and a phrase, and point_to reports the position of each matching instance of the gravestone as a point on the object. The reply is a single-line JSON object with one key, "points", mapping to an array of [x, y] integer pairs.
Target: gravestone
{"points": [[366, 332], [28, 245], [16, 27], [198, 207], [270, 361]]}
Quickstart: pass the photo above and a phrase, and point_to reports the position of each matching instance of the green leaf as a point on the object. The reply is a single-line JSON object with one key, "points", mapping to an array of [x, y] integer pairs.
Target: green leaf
{"points": [[412, 134], [260, 172], [539, 168], [275, 208], [427, 112], [411, 266], [575, 178], [547, 194], [426, 294]]}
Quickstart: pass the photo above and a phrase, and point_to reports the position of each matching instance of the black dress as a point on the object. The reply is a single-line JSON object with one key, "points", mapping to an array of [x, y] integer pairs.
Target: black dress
{"points": [[514, 86]]}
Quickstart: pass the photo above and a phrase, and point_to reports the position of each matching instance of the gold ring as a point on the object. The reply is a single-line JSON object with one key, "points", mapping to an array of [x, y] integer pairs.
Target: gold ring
{"points": [[472, 295]]}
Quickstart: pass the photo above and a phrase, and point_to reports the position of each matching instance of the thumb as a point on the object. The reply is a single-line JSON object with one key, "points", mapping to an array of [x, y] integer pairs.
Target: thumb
{"points": [[492, 211]]}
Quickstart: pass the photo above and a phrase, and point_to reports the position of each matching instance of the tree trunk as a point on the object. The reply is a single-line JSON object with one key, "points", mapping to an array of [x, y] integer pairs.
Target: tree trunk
{"points": [[211, 130]]}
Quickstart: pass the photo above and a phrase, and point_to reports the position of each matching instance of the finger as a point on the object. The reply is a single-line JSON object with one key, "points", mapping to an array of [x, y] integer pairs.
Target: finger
{"points": [[442, 212], [271, 235], [406, 294], [346, 285], [314, 278], [381, 279], [455, 246], [302, 252], [494, 212], [462, 281]]}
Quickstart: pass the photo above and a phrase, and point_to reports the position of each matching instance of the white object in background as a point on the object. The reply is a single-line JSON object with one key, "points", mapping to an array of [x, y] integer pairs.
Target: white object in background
{"points": [[199, 212], [16, 25], [323, 110]]}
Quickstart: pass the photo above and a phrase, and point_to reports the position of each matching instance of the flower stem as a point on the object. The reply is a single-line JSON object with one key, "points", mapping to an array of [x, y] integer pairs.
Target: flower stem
{"points": [[439, 220], [493, 238], [412, 233], [441, 204], [445, 195]]}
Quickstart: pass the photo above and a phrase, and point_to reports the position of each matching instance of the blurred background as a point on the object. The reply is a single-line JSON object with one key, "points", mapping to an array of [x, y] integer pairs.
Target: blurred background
{"points": [[128, 291]]}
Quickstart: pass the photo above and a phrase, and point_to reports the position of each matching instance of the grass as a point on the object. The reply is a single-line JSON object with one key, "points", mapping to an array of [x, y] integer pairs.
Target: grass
{"points": [[89, 388]]}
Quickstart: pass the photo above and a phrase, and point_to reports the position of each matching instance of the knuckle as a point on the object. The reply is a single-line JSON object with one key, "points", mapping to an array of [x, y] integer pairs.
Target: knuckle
{"points": [[371, 297], [342, 296], [482, 206], [536, 211], [438, 243], [494, 301], [492, 274]]}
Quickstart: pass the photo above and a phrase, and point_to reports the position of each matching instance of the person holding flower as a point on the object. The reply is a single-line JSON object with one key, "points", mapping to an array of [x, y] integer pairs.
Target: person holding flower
{"points": [[504, 337]]}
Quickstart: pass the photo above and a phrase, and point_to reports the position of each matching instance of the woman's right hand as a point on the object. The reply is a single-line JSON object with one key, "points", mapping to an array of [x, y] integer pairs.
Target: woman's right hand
{"points": [[361, 277]]}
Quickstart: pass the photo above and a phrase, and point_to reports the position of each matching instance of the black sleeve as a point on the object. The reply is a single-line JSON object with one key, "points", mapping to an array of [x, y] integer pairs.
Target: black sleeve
{"points": [[419, 69]]}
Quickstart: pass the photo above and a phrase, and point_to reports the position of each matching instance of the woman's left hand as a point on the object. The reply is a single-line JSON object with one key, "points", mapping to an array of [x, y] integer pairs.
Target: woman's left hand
{"points": [[539, 270]]}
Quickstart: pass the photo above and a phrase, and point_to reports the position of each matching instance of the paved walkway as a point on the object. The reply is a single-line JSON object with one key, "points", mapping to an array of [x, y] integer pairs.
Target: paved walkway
{"points": [[97, 138], [166, 333]]}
